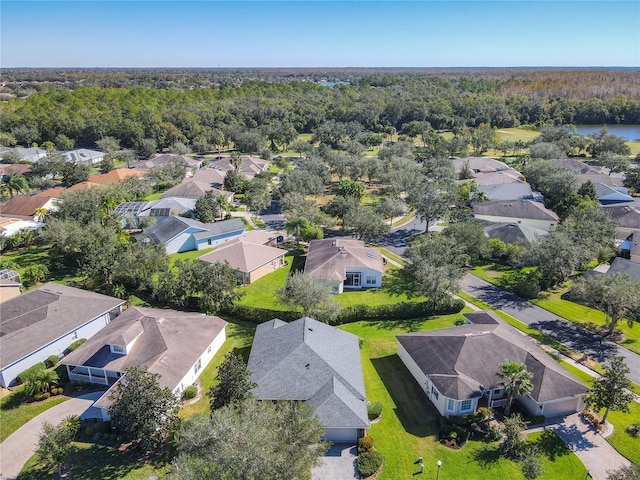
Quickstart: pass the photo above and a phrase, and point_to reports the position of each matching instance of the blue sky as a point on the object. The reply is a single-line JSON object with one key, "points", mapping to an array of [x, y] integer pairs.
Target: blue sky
{"points": [[319, 33]]}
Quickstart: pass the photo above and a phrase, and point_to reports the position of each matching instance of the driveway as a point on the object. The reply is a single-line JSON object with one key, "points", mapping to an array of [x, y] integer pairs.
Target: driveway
{"points": [[339, 463], [564, 331], [21, 444], [590, 446]]}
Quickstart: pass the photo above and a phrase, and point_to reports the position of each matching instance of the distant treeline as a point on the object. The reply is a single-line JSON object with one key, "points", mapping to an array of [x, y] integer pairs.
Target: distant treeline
{"points": [[214, 107]]}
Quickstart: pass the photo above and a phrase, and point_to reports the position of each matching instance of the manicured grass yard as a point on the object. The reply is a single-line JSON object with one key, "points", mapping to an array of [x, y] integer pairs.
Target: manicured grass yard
{"points": [[14, 413], [515, 134], [191, 255], [262, 292], [408, 428]]}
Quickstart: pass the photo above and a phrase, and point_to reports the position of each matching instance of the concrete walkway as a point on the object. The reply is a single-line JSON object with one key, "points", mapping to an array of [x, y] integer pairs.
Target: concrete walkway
{"points": [[21, 444], [339, 463], [590, 446]]}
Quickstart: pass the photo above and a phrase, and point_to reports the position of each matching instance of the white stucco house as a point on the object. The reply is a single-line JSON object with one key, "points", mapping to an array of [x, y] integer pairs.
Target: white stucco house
{"points": [[457, 368], [176, 345], [344, 263], [45, 321]]}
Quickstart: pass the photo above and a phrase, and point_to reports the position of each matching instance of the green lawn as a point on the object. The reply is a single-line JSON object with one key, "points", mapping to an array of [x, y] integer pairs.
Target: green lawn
{"points": [[39, 255], [515, 134], [14, 413], [262, 292], [153, 196], [408, 427], [191, 255], [392, 256], [621, 439]]}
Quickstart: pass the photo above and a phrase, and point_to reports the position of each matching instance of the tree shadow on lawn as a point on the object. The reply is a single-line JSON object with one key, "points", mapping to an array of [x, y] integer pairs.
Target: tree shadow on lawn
{"points": [[243, 352], [413, 408], [487, 455], [407, 325], [398, 282], [551, 445]]}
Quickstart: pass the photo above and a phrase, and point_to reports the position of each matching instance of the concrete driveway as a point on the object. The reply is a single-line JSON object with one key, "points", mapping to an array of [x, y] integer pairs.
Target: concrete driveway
{"points": [[566, 332], [339, 463], [21, 444]]}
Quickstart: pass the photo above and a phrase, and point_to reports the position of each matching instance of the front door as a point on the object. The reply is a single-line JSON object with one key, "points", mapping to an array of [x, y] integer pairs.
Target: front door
{"points": [[353, 280]]}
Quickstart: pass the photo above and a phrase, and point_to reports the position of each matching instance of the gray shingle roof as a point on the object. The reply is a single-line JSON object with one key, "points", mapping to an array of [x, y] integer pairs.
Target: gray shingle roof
{"points": [[311, 361], [514, 233], [607, 194], [44, 314], [168, 342], [172, 226], [463, 360], [506, 191], [627, 216], [622, 265], [515, 209]]}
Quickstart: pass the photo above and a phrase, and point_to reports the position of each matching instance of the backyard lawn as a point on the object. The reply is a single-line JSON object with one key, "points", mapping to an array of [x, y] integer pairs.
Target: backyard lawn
{"points": [[408, 428]]}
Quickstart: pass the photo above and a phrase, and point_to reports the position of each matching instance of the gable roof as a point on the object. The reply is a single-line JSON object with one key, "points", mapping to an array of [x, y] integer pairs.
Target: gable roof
{"points": [[242, 255], [23, 205], [514, 233], [166, 158], [627, 216], [314, 362], [576, 166], [14, 167], [82, 155], [515, 209], [480, 164], [450, 357], [506, 191], [249, 166], [167, 342], [173, 226], [164, 207], [329, 258], [193, 189], [607, 194], [502, 176], [44, 314], [602, 178], [212, 176], [116, 175]]}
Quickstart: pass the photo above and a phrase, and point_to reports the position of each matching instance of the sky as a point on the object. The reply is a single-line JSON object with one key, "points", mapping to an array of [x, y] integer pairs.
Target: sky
{"points": [[209, 33]]}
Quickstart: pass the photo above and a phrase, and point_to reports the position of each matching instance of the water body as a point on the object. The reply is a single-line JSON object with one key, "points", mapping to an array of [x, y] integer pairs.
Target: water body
{"points": [[631, 133], [333, 84]]}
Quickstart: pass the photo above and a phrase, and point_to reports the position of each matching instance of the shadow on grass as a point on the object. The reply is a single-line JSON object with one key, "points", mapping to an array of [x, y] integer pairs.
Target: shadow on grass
{"points": [[399, 282], [487, 455], [407, 325], [297, 264], [13, 400], [413, 408], [243, 352], [551, 445]]}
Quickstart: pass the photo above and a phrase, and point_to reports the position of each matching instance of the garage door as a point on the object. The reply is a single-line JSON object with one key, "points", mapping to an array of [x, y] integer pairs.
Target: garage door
{"points": [[341, 435], [560, 408]]}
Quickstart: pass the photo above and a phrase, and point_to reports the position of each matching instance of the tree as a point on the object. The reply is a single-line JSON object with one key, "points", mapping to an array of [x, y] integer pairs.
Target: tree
{"points": [[617, 295], [472, 238], [39, 380], [34, 274], [301, 147], [349, 188], [531, 465], [298, 226], [366, 223], [235, 182], [141, 410], [233, 383], [312, 296], [632, 180], [630, 472], [482, 138], [207, 207], [614, 162], [517, 381], [15, 182], [55, 442], [558, 185], [611, 390], [513, 443], [430, 201], [438, 265], [605, 143], [11, 157], [274, 440], [341, 207], [74, 173], [390, 207], [546, 151]]}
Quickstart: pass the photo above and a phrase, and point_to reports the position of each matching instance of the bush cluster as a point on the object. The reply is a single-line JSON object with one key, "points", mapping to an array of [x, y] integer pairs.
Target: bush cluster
{"points": [[51, 361], [75, 345], [369, 461], [190, 392], [30, 371], [374, 410]]}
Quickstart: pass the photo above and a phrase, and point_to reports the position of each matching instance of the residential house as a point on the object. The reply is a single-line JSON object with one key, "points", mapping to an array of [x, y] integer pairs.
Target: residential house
{"points": [[526, 212], [26, 207], [180, 234], [249, 258], [212, 176], [45, 321], [612, 195], [160, 209], [117, 175], [316, 363], [628, 241], [517, 233], [193, 189], [10, 226], [576, 166], [626, 216], [495, 178], [249, 167], [21, 168], [83, 155], [509, 191], [344, 263], [175, 345], [480, 164], [32, 154], [457, 368], [167, 158], [625, 266], [609, 180], [10, 286]]}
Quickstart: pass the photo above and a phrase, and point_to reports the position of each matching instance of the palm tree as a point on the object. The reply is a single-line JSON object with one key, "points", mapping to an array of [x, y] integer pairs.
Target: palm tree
{"points": [[517, 381], [16, 183], [236, 160], [223, 205], [40, 214]]}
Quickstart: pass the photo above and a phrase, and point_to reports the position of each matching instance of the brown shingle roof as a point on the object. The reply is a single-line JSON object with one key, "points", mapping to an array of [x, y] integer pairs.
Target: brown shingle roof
{"points": [[117, 175], [23, 205], [328, 259], [243, 256]]}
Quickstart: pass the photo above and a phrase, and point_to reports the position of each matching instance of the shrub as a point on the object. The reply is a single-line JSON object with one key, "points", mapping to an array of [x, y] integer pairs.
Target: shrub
{"points": [[365, 444], [45, 395], [37, 397], [634, 429], [75, 345], [88, 431], [30, 372], [531, 466], [369, 463], [374, 410], [190, 392], [51, 361], [494, 434]]}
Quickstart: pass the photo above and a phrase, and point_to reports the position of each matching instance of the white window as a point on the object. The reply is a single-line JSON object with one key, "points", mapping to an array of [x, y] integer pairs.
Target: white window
{"points": [[209, 349], [450, 405], [74, 335], [465, 406], [434, 392], [371, 280], [197, 366], [118, 349]]}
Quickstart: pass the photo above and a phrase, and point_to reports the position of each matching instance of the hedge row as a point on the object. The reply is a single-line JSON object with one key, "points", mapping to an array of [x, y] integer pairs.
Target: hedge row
{"points": [[352, 313]]}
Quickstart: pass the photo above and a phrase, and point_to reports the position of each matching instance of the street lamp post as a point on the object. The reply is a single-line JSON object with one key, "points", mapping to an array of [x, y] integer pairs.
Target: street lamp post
{"points": [[439, 465]]}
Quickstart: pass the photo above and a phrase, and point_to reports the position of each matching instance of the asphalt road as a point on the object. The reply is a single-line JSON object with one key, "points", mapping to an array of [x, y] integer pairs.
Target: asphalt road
{"points": [[564, 331]]}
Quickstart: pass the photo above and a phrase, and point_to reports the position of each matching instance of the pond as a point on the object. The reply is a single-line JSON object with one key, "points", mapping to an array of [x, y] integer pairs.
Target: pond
{"points": [[631, 133]]}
